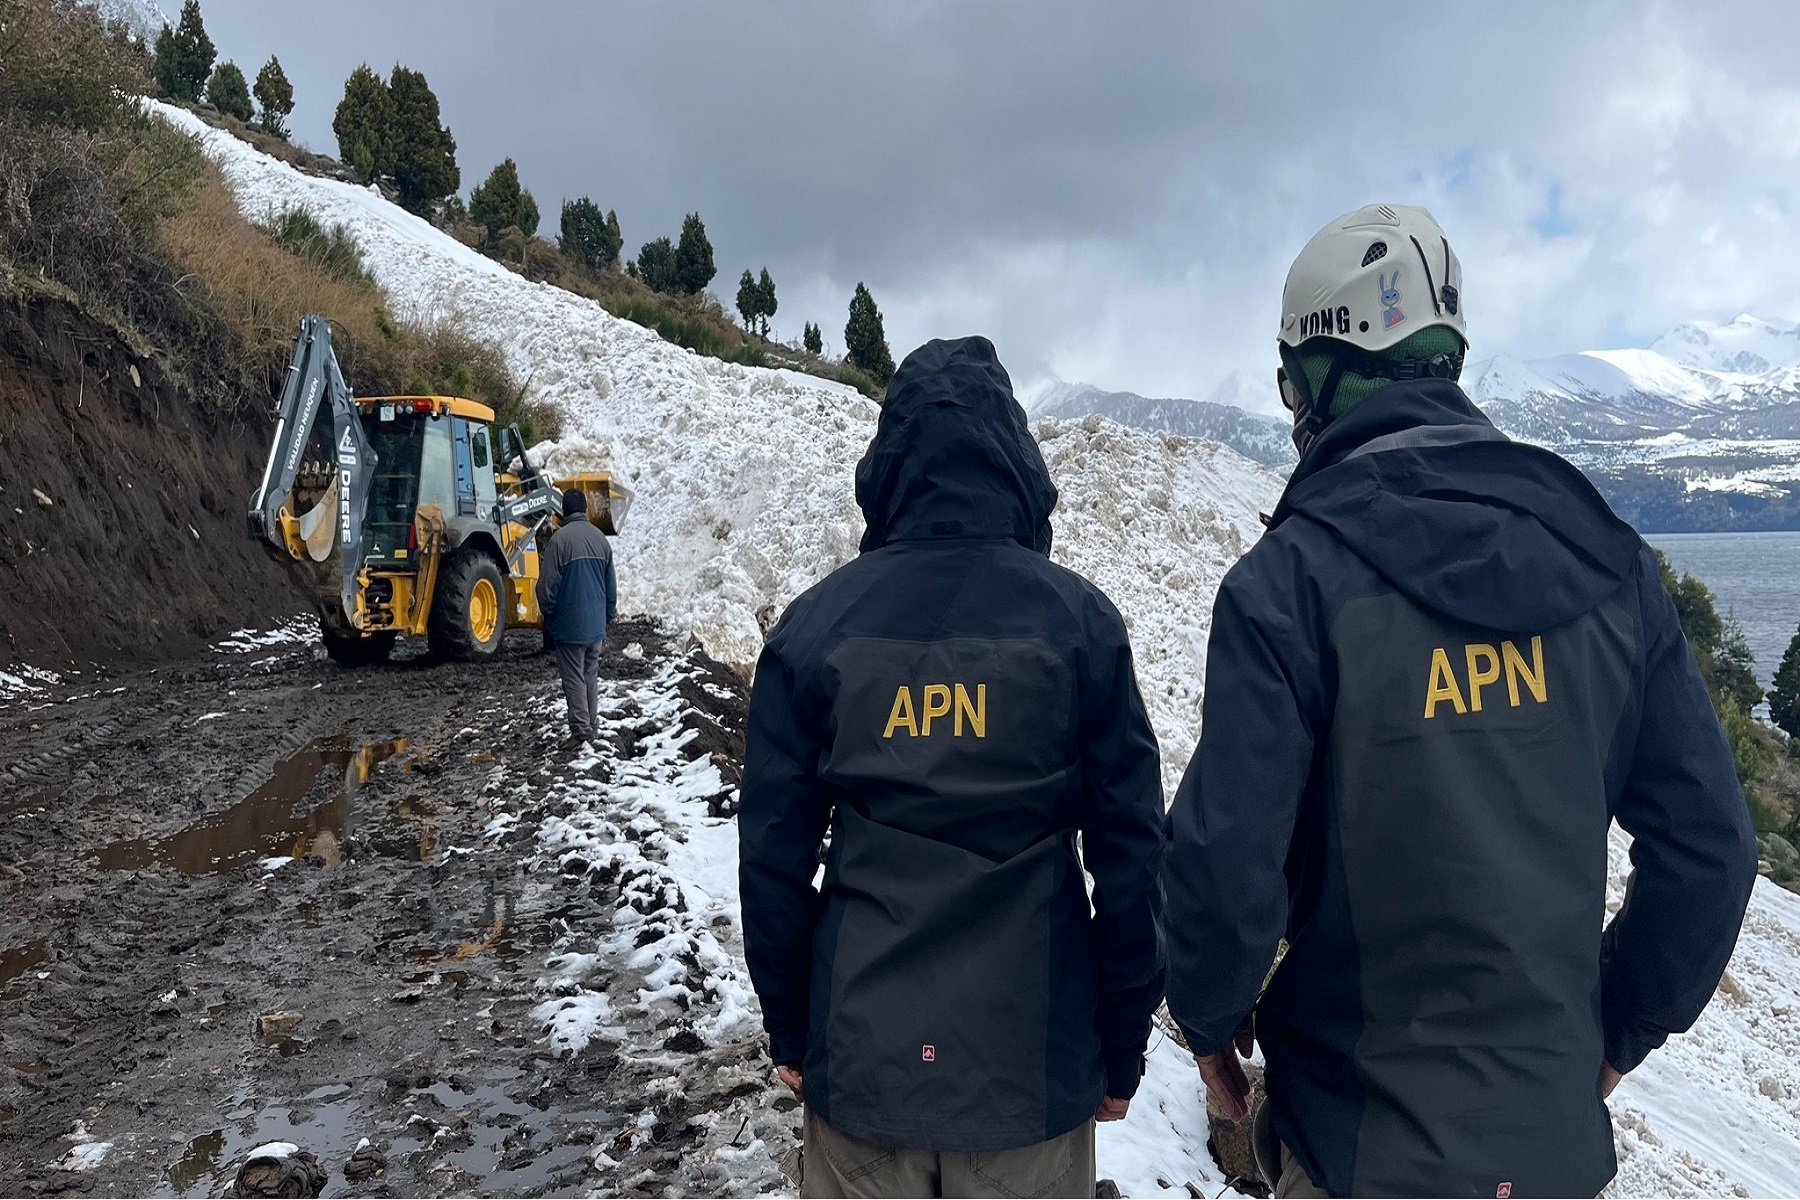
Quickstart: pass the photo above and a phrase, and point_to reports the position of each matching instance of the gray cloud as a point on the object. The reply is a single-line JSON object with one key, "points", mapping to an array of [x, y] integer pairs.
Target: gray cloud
{"points": [[1113, 191]]}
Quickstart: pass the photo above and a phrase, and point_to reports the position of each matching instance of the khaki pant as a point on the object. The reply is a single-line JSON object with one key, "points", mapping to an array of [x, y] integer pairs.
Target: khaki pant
{"points": [[835, 1164]]}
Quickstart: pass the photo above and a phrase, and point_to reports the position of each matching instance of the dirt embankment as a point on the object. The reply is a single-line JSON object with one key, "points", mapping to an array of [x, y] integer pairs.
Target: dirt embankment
{"points": [[121, 502]]}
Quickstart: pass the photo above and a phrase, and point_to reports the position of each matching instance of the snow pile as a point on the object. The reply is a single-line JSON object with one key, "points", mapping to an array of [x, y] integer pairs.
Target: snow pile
{"points": [[301, 630], [24, 680]]}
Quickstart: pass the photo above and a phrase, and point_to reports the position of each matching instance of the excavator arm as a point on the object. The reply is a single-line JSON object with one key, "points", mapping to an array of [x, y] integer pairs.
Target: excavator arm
{"points": [[331, 518]]}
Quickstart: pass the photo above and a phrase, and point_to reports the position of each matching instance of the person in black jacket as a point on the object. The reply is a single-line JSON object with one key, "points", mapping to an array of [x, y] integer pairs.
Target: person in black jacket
{"points": [[961, 716], [1431, 687]]}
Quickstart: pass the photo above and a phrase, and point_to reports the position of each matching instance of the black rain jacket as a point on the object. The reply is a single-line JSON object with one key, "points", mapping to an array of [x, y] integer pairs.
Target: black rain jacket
{"points": [[1431, 686], [962, 716]]}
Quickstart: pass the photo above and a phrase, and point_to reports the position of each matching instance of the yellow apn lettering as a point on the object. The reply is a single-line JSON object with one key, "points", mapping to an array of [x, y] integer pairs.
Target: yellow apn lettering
{"points": [[1533, 675], [937, 704], [902, 716], [1479, 678], [1442, 685], [976, 712]]}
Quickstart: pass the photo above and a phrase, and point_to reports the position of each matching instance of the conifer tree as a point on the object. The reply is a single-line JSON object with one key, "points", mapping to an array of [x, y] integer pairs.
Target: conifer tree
{"points": [[615, 241], [656, 266], [813, 339], [766, 287], [1784, 691], [500, 203], [587, 236], [425, 168], [184, 55], [865, 341], [749, 299], [365, 125], [276, 97], [693, 257], [229, 92]]}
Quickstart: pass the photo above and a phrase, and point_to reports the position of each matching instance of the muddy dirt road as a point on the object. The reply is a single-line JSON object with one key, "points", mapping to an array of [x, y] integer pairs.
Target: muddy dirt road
{"points": [[261, 899]]}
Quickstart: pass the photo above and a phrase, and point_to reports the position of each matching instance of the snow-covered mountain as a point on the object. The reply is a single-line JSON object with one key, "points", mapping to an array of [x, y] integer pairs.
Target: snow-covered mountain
{"points": [[1745, 345], [1223, 418], [743, 480], [1682, 436]]}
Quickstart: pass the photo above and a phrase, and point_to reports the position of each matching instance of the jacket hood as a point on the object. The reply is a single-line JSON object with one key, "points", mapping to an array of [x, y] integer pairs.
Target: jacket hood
{"points": [[1418, 483], [952, 455]]}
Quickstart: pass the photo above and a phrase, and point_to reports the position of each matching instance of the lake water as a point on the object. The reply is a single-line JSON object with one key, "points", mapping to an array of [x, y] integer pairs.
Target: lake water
{"points": [[1757, 575]]}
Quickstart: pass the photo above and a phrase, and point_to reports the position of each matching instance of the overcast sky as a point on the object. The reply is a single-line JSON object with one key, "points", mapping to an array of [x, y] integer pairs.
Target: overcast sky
{"points": [[1113, 191]]}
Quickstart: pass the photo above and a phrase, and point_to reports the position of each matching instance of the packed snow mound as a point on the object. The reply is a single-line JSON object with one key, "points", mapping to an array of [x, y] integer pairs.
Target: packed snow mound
{"points": [[744, 498], [744, 477]]}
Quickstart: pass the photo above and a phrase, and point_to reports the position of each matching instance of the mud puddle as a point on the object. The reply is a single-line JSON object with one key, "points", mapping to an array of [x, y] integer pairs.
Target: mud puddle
{"points": [[20, 959], [264, 824]]}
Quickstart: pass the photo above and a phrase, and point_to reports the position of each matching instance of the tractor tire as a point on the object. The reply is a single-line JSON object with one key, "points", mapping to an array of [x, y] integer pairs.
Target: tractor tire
{"points": [[468, 612], [356, 649]]}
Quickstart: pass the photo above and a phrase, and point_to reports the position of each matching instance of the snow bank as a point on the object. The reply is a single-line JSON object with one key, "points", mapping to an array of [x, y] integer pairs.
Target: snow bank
{"points": [[743, 480]]}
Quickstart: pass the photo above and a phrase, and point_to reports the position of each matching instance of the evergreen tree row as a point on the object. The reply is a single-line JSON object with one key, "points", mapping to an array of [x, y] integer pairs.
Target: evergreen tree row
{"points": [[183, 65]]}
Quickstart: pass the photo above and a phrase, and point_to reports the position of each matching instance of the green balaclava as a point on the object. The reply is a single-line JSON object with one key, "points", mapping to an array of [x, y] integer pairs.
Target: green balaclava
{"points": [[1352, 388]]}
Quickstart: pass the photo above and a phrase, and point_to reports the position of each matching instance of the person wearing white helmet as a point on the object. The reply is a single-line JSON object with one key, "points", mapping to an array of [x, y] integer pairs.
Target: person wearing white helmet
{"points": [[1441, 674]]}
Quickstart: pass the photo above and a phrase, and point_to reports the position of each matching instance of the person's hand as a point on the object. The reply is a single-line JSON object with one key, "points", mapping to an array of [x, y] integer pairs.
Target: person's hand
{"points": [[1112, 1109], [791, 1077], [1224, 1076], [1609, 1079]]}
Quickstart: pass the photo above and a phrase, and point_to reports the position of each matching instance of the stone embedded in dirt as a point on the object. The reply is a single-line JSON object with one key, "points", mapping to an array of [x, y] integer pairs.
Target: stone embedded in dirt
{"points": [[279, 1169], [273, 1026], [408, 995], [42, 499]]}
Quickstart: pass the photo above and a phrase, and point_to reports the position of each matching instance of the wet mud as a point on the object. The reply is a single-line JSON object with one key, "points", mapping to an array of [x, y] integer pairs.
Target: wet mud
{"points": [[259, 898]]}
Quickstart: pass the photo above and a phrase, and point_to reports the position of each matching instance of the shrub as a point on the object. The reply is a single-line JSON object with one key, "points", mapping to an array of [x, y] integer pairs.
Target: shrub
{"points": [[333, 249], [228, 92], [61, 65]]}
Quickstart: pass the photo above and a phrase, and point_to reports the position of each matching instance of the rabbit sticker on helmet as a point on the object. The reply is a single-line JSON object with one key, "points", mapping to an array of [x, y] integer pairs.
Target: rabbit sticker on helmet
{"points": [[1390, 300]]}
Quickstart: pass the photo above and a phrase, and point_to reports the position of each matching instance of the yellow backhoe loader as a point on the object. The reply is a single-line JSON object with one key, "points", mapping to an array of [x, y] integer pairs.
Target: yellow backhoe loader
{"points": [[430, 513]]}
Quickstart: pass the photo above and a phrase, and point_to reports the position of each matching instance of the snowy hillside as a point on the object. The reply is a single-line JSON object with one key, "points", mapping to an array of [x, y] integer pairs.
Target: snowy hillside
{"points": [[743, 478], [143, 17], [1222, 419]]}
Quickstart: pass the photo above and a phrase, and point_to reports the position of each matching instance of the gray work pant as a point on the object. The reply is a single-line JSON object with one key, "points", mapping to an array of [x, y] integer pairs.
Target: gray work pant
{"points": [[579, 666], [835, 1164]]}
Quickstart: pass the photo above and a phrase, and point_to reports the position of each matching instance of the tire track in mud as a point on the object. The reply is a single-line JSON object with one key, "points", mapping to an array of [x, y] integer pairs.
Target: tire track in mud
{"points": [[412, 936]]}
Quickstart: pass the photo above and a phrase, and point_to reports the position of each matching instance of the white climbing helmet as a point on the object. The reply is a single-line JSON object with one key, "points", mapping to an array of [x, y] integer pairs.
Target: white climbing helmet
{"points": [[1372, 278]]}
